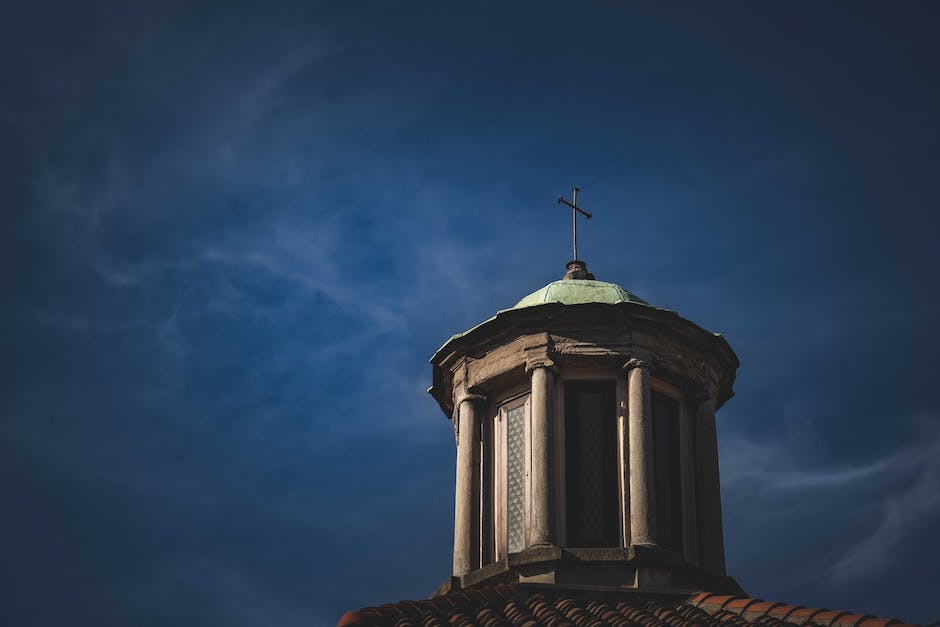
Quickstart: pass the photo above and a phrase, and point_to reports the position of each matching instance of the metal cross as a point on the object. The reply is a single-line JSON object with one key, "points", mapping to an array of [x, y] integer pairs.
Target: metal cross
{"points": [[575, 209]]}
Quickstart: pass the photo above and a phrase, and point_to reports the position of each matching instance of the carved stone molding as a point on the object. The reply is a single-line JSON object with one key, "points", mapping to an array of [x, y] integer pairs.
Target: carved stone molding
{"points": [[538, 351], [540, 342], [687, 366]]}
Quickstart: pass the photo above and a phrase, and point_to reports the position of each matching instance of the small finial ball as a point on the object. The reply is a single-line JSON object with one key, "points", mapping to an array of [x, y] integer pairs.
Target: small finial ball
{"points": [[577, 270]]}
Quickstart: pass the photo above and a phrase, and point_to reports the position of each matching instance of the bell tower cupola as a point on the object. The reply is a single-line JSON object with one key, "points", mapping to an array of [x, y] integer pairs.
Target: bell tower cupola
{"points": [[587, 452]]}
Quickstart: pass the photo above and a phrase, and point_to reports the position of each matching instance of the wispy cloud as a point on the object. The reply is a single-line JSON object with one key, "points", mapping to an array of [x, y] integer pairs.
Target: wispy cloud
{"points": [[887, 499], [910, 506], [226, 593]]}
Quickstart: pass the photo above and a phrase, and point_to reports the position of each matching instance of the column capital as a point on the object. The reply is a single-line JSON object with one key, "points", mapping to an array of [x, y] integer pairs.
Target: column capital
{"points": [[476, 401], [472, 397], [633, 362], [701, 396], [540, 362]]}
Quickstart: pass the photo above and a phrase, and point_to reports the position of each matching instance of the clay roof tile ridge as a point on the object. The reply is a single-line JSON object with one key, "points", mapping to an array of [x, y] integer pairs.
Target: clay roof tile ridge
{"points": [[804, 615], [715, 603], [852, 620], [828, 617], [701, 596], [739, 604]]}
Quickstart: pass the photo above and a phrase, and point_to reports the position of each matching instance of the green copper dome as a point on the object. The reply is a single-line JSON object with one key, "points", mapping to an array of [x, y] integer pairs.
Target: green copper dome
{"points": [[578, 287], [579, 291]]}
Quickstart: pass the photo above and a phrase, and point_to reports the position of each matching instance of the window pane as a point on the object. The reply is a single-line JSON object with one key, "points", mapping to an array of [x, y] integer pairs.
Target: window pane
{"points": [[515, 481], [590, 449], [667, 461]]}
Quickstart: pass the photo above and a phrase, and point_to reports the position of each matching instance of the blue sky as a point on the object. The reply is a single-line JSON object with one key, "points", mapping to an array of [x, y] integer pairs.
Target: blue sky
{"points": [[233, 234]]}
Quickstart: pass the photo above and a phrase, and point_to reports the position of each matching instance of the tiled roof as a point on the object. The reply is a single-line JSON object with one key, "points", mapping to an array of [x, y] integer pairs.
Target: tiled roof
{"points": [[532, 605]]}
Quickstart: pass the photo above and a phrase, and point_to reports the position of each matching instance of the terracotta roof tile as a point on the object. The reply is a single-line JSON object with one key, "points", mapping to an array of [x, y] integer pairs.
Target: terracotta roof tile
{"points": [[730, 618], [804, 615], [350, 618], [713, 603], [781, 612], [829, 617], [758, 610], [701, 596], [738, 605], [520, 605], [851, 620]]}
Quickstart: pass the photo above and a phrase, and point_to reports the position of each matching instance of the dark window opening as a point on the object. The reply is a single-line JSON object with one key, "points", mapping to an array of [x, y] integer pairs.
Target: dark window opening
{"points": [[486, 494], [591, 464], [667, 459]]}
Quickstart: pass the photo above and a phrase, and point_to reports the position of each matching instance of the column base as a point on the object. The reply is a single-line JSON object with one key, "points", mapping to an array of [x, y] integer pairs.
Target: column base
{"points": [[636, 568]]}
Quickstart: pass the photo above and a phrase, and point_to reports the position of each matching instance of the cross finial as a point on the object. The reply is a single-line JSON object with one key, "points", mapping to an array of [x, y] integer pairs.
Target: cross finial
{"points": [[575, 210]]}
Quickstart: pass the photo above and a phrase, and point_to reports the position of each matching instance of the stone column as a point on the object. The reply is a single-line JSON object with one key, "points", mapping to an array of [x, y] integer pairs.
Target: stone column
{"points": [[642, 481], [539, 528], [623, 459], [467, 505], [711, 542]]}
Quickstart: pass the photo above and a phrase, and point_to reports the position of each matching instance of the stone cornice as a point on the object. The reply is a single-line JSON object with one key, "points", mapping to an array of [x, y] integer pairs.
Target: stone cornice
{"points": [[550, 316], [559, 336]]}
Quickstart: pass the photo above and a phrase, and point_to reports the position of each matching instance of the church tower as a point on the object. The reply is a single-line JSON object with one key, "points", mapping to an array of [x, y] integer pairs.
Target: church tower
{"points": [[587, 489], [586, 443]]}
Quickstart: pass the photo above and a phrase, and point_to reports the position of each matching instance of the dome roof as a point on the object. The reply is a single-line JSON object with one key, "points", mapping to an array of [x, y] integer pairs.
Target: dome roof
{"points": [[577, 292]]}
